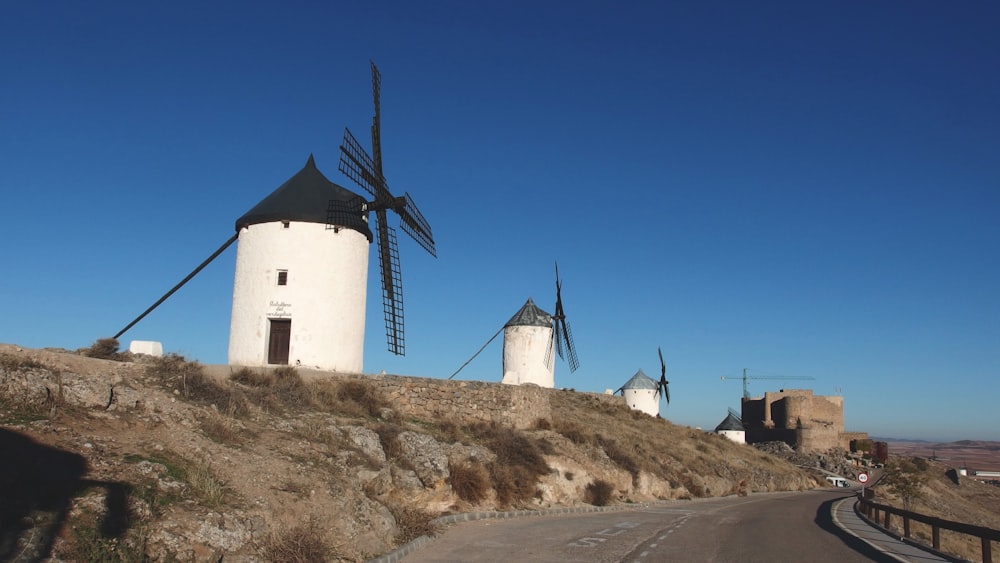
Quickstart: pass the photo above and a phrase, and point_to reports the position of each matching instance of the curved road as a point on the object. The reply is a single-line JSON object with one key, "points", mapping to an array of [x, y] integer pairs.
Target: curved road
{"points": [[769, 527]]}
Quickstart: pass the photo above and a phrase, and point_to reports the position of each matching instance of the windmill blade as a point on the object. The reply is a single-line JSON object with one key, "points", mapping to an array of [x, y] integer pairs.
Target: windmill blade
{"points": [[567, 337], [662, 386], [340, 212], [413, 223], [547, 358], [358, 166], [377, 118], [392, 285], [562, 334]]}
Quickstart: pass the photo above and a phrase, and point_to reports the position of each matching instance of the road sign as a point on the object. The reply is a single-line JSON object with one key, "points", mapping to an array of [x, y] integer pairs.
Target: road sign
{"points": [[862, 477]]}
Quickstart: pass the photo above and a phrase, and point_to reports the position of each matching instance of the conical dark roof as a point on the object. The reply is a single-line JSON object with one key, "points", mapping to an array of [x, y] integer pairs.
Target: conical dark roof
{"points": [[530, 315], [730, 423], [640, 381], [305, 197]]}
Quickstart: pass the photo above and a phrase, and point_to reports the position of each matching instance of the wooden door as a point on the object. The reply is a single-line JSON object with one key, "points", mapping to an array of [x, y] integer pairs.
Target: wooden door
{"points": [[279, 341]]}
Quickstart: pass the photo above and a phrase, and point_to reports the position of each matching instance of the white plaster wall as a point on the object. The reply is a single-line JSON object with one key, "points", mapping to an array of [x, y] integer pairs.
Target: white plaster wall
{"points": [[645, 400], [524, 351], [738, 436], [324, 297]]}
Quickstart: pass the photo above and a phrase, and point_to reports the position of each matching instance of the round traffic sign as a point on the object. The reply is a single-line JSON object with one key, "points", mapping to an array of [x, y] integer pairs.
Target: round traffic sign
{"points": [[862, 477]]}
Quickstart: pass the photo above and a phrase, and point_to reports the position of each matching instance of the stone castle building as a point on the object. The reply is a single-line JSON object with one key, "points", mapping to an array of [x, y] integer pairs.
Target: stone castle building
{"points": [[804, 421]]}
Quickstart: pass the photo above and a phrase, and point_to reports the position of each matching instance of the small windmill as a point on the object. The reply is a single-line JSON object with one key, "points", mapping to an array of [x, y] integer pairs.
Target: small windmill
{"points": [[529, 338], [366, 172], [642, 393]]}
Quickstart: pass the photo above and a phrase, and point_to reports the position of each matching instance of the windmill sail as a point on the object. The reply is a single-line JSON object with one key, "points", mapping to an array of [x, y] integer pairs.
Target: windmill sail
{"points": [[366, 171]]}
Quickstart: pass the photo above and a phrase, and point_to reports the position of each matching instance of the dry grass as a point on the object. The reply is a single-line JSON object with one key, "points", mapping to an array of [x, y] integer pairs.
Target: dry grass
{"points": [[222, 429], [412, 523], [519, 462], [16, 362], [941, 497], [303, 543], [470, 481]]}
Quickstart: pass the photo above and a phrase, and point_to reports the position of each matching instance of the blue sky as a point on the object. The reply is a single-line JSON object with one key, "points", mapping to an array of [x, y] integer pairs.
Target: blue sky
{"points": [[799, 189]]}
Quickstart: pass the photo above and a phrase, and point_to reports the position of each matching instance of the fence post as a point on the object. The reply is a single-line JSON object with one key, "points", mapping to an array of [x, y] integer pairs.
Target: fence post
{"points": [[987, 552], [887, 519], [936, 535], [906, 526]]}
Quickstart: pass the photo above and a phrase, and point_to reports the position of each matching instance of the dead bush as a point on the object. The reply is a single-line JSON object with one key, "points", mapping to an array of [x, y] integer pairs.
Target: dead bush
{"points": [[598, 492], [303, 543], [289, 389], [174, 371], [511, 447], [253, 378], [103, 348], [542, 424], [366, 399], [470, 481], [221, 429], [573, 432], [519, 462], [412, 523], [513, 484], [388, 434]]}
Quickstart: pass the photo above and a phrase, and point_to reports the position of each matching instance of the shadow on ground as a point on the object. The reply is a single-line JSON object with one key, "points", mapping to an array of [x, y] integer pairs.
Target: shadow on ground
{"points": [[37, 485]]}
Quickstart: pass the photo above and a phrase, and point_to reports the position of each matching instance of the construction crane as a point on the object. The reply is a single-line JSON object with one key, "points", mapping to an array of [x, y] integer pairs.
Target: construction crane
{"points": [[746, 378]]}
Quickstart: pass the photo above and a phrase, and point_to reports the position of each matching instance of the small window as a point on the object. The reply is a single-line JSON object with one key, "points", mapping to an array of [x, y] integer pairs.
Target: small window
{"points": [[284, 224], [282, 277]]}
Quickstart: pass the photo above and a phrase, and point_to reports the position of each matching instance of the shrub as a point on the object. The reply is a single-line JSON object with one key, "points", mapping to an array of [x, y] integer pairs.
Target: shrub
{"points": [[412, 523], [470, 481], [388, 436], [303, 543], [253, 378], [362, 396], [573, 432], [598, 492], [221, 429], [289, 388], [103, 348]]}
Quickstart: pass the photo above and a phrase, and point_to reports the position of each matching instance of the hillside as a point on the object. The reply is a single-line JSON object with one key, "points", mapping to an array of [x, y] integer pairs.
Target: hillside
{"points": [[162, 459], [939, 491]]}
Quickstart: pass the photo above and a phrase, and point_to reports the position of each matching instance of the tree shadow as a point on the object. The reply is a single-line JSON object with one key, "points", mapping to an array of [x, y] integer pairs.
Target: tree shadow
{"points": [[37, 485]]}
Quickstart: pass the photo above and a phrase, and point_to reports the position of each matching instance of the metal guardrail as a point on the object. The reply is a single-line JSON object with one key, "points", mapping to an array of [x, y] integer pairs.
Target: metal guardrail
{"points": [[874, 511]]}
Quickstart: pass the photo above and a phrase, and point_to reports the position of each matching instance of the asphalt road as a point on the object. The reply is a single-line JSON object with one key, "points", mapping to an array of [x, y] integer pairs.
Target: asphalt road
{"points": [[773, 527]]}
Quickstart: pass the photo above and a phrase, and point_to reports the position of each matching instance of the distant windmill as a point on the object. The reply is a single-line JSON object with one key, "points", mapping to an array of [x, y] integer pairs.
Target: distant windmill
{"points": [[300, 287], [642, 393], [529, 339]]}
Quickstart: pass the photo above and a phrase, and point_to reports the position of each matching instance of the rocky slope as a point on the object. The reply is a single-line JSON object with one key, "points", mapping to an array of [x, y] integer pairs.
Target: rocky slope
{"points": [[144, 459]]}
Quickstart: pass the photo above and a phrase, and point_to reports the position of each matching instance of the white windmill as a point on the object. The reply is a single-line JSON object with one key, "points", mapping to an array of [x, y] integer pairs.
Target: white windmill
{"points": [[528, 339], [642, 393], [302, 264], [732, 427]]}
